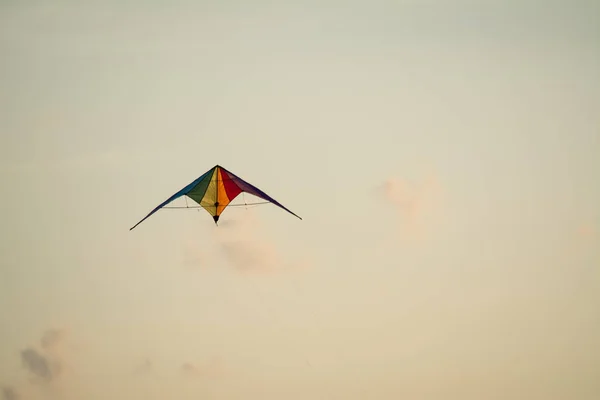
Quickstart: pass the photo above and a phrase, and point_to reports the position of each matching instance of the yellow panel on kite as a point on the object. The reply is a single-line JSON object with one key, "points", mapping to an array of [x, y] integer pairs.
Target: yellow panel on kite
{"points": [[215, 198], [210, 196]]}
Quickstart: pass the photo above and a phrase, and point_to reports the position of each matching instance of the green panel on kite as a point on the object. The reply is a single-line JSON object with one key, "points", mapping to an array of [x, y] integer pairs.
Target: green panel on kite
{"points": [[198, 192]]}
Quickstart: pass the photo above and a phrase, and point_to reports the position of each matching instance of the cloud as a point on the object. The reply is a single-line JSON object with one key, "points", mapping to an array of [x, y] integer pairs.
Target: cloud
{"points": [[583, 239], [244, 246], [212, 369], [586, 231], [45, 364], [37, 364], [45, 367], [9, 393], [144, 368], [416, 203], [138, 382], [251, 255], [51, 338], [188, 368]]}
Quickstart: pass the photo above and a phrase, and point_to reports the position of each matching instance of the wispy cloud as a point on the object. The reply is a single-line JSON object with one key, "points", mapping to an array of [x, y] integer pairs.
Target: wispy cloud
{"points": [[251, 255], [144, 368], [416, 203], [45, 364], [244, 246], [44, 367], [212, 369], [37, 364], [584, 238], [49, 382], [52, 338], [586, 231], [9, 393]]}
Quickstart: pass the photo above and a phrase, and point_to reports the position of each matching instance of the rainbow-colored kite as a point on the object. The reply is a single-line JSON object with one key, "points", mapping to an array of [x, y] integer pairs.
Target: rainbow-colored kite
{"points": [[214, 190]]}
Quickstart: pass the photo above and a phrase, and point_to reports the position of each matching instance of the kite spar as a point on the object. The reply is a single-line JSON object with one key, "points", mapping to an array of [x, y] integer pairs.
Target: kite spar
{"points": [[214, 190]]}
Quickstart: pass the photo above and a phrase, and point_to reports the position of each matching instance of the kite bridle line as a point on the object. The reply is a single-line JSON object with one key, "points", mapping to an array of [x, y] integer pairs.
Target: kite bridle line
{"points": [[230, 205], [187, 206]]}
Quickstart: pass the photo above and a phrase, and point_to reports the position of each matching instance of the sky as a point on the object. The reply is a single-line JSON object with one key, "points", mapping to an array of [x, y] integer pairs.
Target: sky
{"points": [[443, 157]]}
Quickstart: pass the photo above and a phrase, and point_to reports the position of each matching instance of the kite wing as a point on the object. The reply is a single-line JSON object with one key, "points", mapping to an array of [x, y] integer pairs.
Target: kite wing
{"points": [[243, 186], [214, 190]]}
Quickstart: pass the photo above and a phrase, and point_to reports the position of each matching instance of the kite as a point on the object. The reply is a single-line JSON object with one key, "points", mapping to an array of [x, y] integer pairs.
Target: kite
{"points": [[214, 191]]}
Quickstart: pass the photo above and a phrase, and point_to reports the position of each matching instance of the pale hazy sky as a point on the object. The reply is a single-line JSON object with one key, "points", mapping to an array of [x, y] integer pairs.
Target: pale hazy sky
{"points": [[444, 156]]}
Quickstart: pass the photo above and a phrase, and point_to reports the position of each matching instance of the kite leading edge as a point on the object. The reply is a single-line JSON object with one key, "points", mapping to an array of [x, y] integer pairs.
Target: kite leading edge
{"points": [[214, 190]]}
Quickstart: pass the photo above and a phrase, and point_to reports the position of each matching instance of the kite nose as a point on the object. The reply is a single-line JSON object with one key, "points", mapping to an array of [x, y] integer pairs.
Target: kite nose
{"points": [[216, 218]]}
